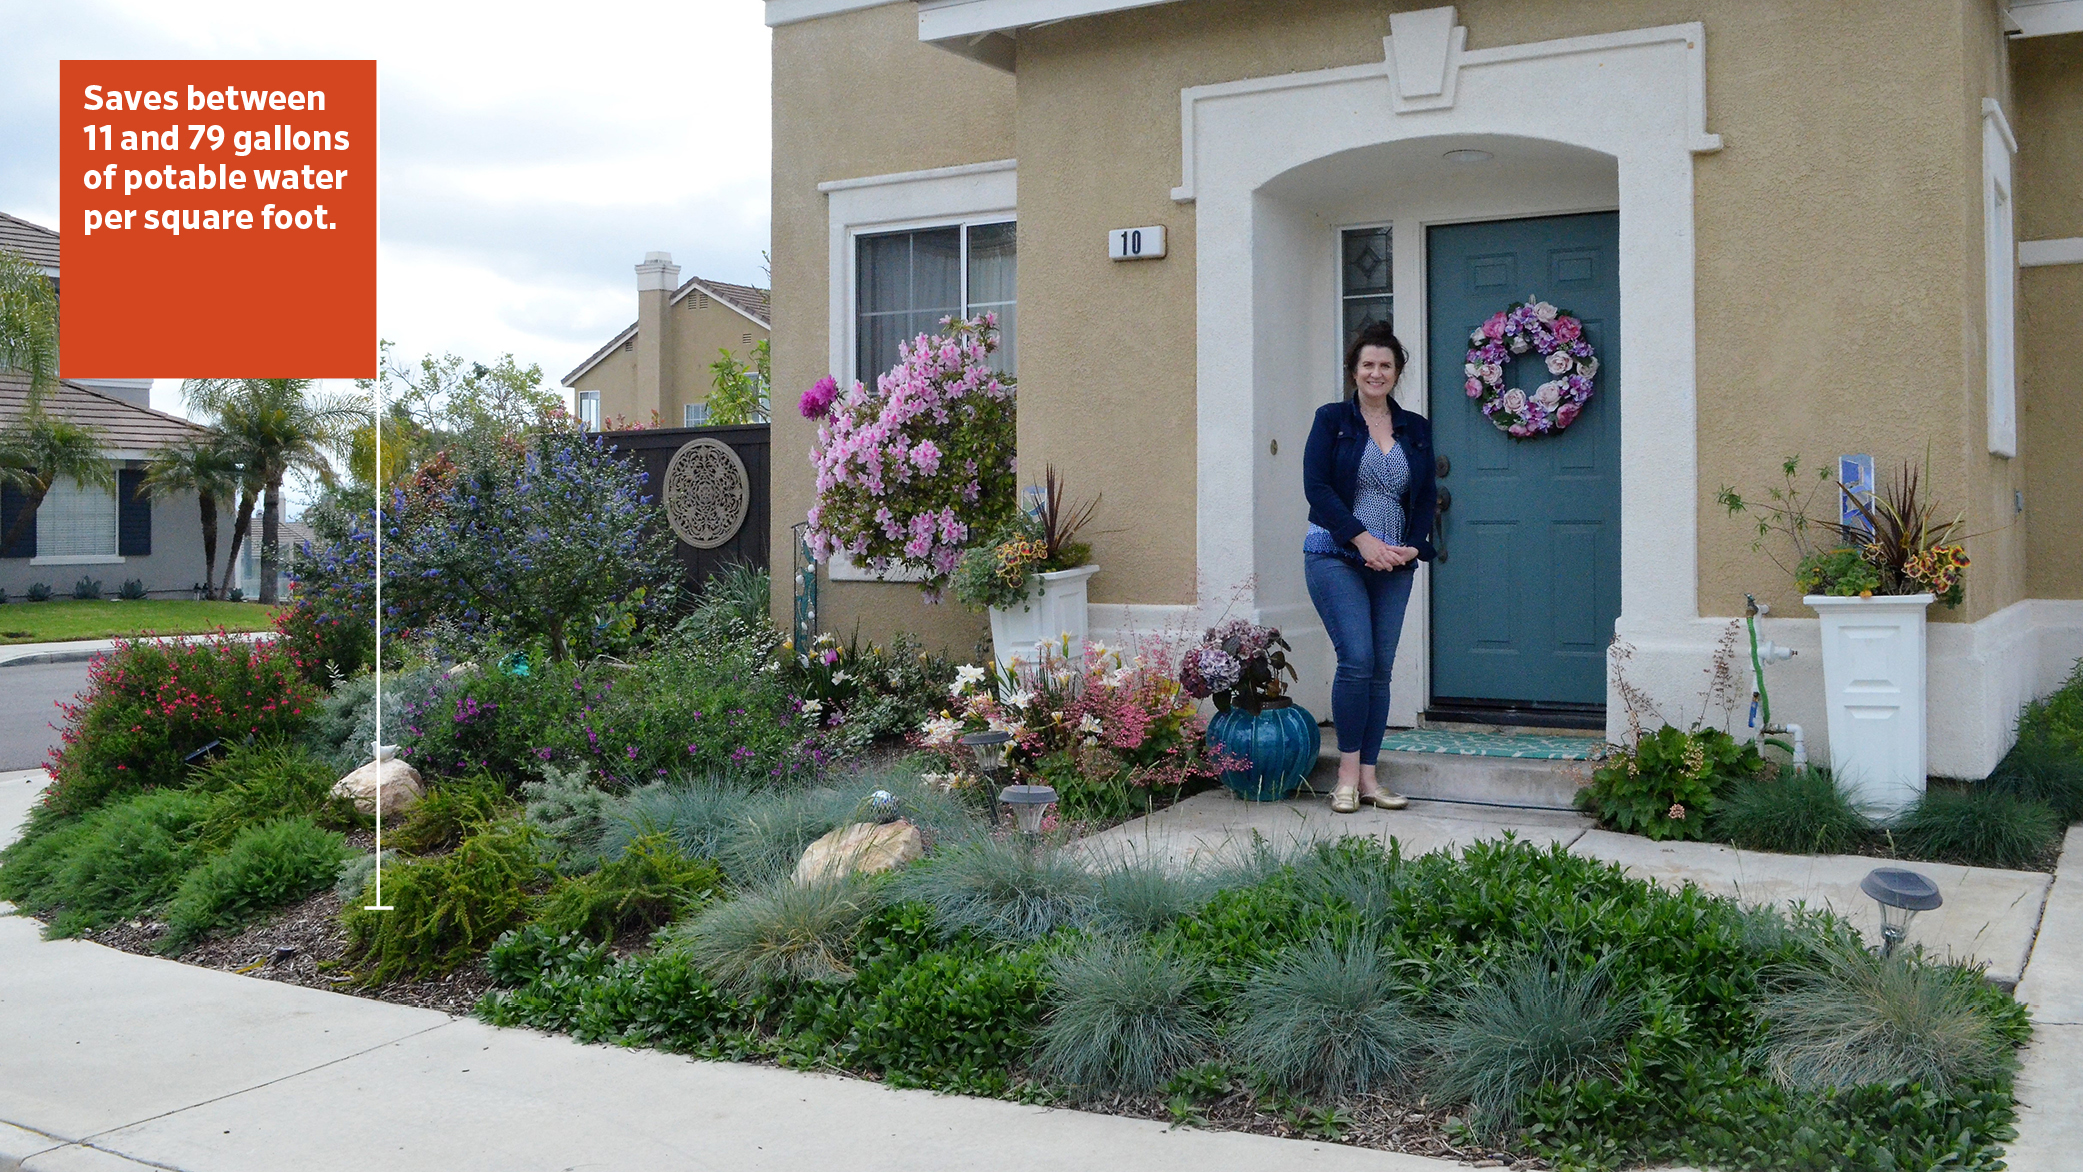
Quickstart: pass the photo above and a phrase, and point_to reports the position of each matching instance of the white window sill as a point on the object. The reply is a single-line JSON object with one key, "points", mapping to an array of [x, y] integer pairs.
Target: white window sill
{"points": [[85, 559], [842, 569]]}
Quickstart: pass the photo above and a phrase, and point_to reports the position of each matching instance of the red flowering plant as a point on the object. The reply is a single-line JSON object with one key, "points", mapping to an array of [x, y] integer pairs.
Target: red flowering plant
{"points": [[1116, 734], [149, 703]]}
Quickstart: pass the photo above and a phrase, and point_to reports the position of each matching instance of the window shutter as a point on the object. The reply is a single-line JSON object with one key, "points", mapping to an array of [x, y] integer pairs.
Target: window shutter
{"points": [[12, 502], [133, 514]]}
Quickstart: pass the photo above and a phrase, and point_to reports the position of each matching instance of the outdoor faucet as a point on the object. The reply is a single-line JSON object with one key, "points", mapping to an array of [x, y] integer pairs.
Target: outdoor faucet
{"points": [[1761, 707]]}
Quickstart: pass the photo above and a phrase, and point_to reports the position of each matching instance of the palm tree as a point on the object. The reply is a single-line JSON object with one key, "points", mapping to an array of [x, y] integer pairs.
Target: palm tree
{"points": [[28, 324], [272, 427], [36, 450], [206, 468]]}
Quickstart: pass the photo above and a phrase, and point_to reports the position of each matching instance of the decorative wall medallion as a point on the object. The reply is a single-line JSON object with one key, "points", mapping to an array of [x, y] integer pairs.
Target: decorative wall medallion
{"points": [[706, 493]]}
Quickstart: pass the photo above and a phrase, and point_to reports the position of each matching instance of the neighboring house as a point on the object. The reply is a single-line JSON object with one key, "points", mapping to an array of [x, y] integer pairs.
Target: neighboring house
{"points": [[110, 537], [1789, 227], [39, 245], [660, 364], [291, 537]]}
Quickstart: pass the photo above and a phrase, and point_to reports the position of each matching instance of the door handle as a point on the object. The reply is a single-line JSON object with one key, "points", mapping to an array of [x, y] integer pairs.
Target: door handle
{"points": [[1439, 525]]}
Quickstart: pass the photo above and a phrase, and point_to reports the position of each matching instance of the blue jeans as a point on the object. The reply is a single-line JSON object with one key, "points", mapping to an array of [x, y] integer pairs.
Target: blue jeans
{"points": [[1362, 610]]}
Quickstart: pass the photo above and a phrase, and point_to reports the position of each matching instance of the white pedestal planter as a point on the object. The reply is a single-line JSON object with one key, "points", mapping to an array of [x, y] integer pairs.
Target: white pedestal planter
{"points": [[1873, 681], [1054, 608]]}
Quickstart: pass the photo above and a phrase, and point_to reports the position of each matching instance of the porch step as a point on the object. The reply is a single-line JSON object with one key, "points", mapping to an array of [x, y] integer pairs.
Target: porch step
{"points": [[1528, 783]]}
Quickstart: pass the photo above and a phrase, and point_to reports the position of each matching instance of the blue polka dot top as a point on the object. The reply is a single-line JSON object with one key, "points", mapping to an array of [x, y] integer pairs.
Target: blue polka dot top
{"points": [[1377, 502]]}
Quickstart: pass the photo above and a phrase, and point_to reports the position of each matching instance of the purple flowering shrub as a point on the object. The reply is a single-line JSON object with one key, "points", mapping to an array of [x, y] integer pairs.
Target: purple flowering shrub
{"points": [[665, 715], [908, 469], [552, 539]]}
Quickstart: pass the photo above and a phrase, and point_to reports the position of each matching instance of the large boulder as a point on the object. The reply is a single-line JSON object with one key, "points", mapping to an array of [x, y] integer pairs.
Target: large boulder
{"points": [[863, 848], [398, 784]]}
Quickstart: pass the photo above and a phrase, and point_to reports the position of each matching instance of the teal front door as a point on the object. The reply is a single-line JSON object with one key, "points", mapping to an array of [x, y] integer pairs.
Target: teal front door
{"points": [[1527, 584]]}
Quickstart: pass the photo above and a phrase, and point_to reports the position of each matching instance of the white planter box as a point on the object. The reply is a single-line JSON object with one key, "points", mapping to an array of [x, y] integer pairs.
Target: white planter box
{"points": [[1056, 608], [1873, 683]]}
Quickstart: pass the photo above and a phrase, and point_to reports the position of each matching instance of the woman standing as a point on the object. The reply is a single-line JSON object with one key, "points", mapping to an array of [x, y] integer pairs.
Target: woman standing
{"points": [[1369, 477]]}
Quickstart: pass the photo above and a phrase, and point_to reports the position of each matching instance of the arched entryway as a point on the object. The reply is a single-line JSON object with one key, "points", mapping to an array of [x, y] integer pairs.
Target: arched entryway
{"points": [[1283, 170]]}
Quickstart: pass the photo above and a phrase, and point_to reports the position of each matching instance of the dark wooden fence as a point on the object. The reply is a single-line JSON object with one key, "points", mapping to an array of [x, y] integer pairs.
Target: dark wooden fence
{"points": [[654, 449]]}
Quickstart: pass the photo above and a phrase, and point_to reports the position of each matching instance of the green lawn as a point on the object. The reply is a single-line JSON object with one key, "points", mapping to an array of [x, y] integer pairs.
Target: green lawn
{"points": [[61, 619]]}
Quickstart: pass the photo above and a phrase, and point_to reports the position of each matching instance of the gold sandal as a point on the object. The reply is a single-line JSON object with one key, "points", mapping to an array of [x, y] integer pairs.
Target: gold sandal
{"points": [[1382, 799], [1345, 799]]}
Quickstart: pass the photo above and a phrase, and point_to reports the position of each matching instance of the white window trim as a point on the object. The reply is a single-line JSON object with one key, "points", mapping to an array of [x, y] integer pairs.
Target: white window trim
{"points": [[2000, 276], [90, 559], [974, 193]]}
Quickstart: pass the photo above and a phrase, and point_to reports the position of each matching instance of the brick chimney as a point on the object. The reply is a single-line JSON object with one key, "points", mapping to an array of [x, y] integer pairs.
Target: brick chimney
{"points": [[656, 279]]}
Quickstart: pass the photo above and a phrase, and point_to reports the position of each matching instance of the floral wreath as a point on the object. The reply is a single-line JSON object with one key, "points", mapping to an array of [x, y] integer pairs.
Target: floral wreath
{"points": [[1558, 338]]}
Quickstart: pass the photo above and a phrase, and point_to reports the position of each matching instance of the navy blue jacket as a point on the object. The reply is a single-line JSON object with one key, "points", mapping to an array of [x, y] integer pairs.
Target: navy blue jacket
{"points": [[1331, 472]]}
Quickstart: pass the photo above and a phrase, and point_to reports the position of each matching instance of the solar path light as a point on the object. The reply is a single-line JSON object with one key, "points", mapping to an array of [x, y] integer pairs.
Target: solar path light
{"points": [[1901, 894]]}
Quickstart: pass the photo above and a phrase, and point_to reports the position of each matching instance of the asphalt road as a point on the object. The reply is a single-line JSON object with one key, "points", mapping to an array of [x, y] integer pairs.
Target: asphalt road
{"points": [[29, 698]]}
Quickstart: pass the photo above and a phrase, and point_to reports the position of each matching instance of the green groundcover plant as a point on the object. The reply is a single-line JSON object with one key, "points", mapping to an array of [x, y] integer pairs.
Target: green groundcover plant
{"points": [[1564, 1009]]}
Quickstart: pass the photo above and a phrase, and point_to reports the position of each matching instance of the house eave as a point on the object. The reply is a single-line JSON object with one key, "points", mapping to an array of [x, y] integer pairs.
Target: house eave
{"points": [[986, 31]]}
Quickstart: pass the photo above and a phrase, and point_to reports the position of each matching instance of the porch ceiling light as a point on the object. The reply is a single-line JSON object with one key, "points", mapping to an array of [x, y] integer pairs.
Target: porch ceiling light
{"points": [[1901, 894], [1468, 155], [1029, 803]]}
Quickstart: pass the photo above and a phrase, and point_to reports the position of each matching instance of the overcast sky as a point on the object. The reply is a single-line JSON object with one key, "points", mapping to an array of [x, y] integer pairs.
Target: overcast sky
{"points": [[530, 153]]}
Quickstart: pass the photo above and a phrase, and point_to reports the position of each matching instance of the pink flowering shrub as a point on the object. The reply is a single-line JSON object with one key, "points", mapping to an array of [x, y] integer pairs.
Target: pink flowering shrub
{"points": [[907, 470]]}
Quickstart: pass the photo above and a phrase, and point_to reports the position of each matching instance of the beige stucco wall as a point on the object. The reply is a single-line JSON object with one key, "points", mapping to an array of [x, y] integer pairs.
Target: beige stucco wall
{"points": [[857, 94], [1839, 274], [2048, 84], [696, 334]]}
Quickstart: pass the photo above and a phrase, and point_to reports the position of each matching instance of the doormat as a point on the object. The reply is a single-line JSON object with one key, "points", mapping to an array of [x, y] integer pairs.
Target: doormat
{"points": [[1480, 744]]}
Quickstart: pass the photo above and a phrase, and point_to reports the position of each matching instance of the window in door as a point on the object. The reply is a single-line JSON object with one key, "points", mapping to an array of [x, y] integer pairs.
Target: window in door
{"points": [[1365, 294], [905, 282]]}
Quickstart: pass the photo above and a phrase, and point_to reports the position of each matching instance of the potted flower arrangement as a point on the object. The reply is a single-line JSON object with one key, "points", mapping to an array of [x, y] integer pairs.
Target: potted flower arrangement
{"points": [[1031, 575], [911, 469], [1274, 740], [1115, 734], [1887, 558]]}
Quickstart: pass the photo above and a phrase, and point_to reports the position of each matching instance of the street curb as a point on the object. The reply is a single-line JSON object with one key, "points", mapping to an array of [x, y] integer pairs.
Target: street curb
{"points": [[37, 657]]}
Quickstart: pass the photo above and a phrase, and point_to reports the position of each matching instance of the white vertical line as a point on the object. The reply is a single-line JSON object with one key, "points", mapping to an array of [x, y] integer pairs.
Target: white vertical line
{"points": [[376, 750]]}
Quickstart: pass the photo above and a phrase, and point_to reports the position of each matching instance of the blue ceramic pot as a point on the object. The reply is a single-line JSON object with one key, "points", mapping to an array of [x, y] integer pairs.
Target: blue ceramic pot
{"points": [[1281, 744]]}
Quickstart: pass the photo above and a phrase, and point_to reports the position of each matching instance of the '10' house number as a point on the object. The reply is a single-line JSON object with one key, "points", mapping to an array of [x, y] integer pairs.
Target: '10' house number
{"points": [[1136, 243]]}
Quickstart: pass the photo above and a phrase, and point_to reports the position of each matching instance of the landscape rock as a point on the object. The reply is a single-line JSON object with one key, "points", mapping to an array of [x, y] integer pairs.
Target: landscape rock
{"points": [[863, 848], [400, 786]]}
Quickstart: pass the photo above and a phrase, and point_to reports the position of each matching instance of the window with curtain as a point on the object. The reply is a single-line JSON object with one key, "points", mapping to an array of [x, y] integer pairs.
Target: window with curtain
{"points": [[907, 281], [589, 410], [76, 521], [694, 414]]}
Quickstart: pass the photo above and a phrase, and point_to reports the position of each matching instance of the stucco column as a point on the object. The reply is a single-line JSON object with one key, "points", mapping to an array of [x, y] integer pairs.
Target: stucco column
{"points": [[656, 279]]}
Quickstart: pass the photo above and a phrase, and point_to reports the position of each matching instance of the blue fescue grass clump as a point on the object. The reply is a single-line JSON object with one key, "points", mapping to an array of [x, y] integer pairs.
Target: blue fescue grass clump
{"points": [[1326, 1018], [1856, 1018], [1540, 1019], [1134, 895], [1003, 890], [782, 932], [1126, 1018]]}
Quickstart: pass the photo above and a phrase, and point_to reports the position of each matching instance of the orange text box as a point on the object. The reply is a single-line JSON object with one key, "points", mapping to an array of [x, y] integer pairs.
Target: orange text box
{"points": [[218, 219]]}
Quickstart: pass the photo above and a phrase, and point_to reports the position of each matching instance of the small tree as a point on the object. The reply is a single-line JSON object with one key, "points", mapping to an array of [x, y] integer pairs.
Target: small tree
{"points": [[205, 468], [908, 470], [534, 540], [741, 391], [272, 427]]}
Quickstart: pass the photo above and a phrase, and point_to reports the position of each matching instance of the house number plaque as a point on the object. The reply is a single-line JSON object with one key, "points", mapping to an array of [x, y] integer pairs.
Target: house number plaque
{"points": [[1136, 243]]}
